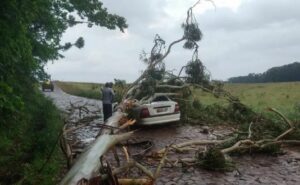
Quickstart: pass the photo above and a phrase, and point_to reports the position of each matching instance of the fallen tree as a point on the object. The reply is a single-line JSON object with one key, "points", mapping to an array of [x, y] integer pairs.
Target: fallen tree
{"points": [[88, 163], [89, 167]]}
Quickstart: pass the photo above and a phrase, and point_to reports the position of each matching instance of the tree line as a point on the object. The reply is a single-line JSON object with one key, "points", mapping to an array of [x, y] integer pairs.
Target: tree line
{"points": [[285, 73]]}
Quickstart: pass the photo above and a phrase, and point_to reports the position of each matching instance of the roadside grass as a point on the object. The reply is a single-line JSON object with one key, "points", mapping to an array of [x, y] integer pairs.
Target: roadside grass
{"points": [[29, 150], [48, 161], [88, 90]]}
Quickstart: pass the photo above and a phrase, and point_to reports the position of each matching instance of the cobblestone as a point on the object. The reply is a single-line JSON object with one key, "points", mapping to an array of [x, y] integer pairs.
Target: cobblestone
{"points": [[254, 170]]}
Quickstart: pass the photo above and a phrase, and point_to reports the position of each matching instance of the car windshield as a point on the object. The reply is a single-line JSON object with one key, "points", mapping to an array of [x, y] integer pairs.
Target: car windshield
{"points": [[160, 98]]}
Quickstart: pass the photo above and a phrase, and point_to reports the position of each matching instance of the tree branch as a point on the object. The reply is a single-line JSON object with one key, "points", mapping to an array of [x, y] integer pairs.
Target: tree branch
{"points": [[172, 86], [168, 51], [249, 131], [153, 65], [292, 127], [194, 142], [237, 146]]}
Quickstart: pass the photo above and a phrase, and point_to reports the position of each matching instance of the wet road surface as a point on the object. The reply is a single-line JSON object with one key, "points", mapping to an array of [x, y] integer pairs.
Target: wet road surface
{"points": [[250, 169]]}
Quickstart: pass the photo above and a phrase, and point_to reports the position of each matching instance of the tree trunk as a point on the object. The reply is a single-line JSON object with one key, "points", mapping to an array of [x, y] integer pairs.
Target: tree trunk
{"points": [[88, 163]]}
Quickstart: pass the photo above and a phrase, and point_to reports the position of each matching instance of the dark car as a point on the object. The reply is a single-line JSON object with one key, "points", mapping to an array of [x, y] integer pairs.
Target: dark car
{"points": [[47, 85]]}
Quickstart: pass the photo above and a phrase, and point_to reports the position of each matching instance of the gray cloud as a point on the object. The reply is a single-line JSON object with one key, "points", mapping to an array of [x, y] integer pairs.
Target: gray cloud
{"points": [[260, 35], [252, 14], [256, 36]]}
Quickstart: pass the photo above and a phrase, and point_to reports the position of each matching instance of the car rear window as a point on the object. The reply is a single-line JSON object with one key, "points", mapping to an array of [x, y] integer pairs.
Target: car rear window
{"points": [[160, 98]]}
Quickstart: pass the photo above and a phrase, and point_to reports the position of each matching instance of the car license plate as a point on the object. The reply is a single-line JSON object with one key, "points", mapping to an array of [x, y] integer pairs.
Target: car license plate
{"points": [[164, 109]]}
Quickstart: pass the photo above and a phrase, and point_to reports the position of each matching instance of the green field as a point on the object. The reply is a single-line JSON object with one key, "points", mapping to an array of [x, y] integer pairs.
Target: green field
{"points": [[283, 96], [88, 90]]}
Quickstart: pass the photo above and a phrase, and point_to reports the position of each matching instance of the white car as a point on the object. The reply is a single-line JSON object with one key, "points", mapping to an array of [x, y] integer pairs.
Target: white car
{"points": [[158, 109]]}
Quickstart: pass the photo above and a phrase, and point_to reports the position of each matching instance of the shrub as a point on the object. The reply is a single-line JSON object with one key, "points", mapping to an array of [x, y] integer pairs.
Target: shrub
{"points": [[25, 144]]}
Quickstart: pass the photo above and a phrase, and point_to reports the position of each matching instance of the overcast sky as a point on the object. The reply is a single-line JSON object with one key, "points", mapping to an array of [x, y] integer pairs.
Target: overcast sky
{"points": [[240, 37]]}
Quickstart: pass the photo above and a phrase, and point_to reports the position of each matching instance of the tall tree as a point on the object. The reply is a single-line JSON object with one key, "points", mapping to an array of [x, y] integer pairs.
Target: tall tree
{"points": [[30, 33]]}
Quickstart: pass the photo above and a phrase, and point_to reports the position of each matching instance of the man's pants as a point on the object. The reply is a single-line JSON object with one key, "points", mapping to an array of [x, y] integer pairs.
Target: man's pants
{"points": [[107, 111]]}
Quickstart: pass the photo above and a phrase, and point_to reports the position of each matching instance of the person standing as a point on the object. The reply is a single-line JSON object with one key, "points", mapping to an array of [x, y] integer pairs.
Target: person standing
{"points": [[107, 100]]}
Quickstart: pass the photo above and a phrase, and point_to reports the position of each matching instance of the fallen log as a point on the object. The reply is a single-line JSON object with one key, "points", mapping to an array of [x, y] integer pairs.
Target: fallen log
{"points": [[88, 163]]}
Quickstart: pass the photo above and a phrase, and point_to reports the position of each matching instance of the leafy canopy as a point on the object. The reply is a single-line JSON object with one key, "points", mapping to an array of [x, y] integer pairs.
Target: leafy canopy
{"points": [[30, 33]]}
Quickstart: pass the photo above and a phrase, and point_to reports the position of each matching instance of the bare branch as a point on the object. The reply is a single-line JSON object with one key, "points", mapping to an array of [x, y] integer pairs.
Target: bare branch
{"points": [[282, 116], [194, 142], [181, 71], [292, 127], [249, 131], [153, 64], [195, 4], [161, 163], [168, 51], [172, 86], [144, 169], [237, 146]]}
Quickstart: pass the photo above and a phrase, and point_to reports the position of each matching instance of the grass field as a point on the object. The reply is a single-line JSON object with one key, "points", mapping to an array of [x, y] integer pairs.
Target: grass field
{"points": [[283, 96], [88, 90]]}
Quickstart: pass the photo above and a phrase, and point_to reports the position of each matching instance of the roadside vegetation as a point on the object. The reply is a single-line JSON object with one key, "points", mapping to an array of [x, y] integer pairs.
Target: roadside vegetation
{"points": [[29, 151], [30, 34]]}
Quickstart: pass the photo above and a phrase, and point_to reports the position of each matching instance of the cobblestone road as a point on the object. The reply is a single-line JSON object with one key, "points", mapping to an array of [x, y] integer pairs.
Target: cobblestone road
{"points": [[255, 169]]}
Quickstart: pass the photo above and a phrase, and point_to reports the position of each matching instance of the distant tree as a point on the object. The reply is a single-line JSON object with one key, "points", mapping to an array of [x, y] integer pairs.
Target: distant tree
{"points": [[285, 73]]}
